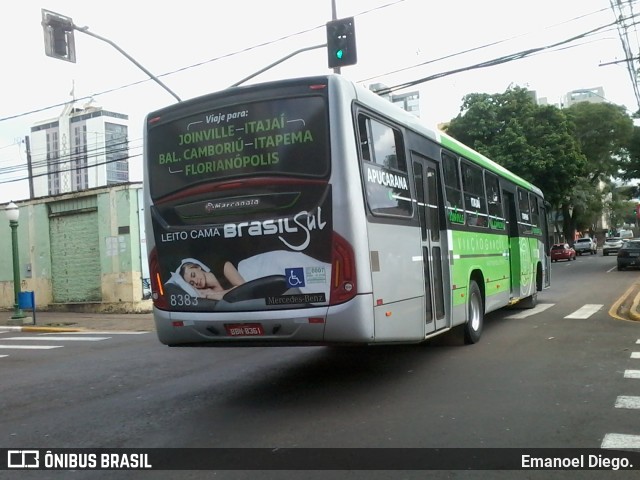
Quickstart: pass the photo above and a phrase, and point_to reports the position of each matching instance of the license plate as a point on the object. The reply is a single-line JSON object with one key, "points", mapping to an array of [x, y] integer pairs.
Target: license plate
{"points": [[244, 330]]}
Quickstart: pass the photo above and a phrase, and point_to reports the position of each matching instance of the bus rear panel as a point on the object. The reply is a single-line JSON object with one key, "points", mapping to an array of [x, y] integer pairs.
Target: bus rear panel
{"points": [[241, 205]]}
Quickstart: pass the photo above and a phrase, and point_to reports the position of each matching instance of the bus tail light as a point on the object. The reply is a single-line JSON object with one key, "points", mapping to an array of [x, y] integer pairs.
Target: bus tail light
{"points": [[157, 288], [343, 271]]}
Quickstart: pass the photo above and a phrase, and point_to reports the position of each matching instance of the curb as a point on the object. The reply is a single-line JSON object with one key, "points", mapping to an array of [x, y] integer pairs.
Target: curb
{"points": [[34, 329], [633, 311]]}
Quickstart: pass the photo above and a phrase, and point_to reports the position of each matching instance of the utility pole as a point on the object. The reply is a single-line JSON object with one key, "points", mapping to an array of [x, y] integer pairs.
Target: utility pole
{"points": [[334, 16], [29, 165]]}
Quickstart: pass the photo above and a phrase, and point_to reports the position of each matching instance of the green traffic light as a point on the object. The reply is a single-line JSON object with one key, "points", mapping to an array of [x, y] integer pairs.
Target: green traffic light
{"points": [[339, 54]]}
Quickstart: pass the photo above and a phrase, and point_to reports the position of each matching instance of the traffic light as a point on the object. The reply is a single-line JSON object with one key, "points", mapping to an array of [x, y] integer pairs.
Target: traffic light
{"points": [[341, 43], [58, 36]]}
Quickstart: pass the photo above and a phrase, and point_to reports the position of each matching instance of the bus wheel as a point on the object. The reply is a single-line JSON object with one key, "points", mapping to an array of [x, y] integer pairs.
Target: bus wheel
{"points": [[473, 327], [528, 302]]}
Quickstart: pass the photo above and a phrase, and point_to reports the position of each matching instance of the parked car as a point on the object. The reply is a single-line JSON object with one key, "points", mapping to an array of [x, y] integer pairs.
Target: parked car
{"points": [[585, 245], [562, 251], [625, 234], [611, 245], [629, 254]]}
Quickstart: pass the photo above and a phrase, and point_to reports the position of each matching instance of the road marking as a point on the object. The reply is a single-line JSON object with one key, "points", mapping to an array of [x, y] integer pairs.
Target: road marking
{"points": [[624, 401], [71, 339], [2, 356], [541, 307], [635, 354], [31, 347], [620, 441], [585, 311], [632, 374]]}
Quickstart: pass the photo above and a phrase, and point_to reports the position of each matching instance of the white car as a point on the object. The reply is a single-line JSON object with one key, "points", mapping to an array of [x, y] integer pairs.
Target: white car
{"points": [[585, 245], [612, 245]]}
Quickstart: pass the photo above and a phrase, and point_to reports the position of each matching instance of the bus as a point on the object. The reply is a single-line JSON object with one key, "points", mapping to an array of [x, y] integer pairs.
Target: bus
{"points": [[312, 211]]}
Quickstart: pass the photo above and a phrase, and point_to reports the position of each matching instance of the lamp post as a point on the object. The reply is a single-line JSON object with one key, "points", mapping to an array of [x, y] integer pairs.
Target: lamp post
{"points": [[13, 213]]}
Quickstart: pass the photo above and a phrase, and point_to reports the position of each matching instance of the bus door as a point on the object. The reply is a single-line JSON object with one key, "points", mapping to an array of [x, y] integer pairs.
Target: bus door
{"points": [[510, 215], [427, 179]]}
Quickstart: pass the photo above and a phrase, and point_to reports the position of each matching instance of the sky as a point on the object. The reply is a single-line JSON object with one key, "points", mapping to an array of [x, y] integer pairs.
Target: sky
{"points": [[197, 47]]}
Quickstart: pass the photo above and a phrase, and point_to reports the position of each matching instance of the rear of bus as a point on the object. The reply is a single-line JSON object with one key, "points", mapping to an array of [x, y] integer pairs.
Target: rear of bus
{"points": [[249, 218]]}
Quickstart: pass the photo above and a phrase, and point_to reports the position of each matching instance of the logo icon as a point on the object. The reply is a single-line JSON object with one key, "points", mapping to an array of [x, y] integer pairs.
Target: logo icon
{"points": [[295, 277], [23, 459]]}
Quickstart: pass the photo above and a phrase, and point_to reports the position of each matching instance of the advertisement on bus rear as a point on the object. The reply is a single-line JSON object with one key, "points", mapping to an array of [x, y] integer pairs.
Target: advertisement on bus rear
{"points": [[271, 263], [242, 203]]}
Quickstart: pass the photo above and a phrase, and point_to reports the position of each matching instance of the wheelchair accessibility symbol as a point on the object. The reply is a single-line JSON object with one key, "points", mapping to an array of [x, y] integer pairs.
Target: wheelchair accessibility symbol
{"points": [[295, 277]]}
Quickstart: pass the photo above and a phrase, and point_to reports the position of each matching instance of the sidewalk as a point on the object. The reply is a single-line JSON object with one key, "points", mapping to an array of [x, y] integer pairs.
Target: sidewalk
{"points": [[70, 321]]}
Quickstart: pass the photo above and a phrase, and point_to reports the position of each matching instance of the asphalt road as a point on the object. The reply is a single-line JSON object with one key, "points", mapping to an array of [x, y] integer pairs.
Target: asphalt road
{"points": [[536, 379]]}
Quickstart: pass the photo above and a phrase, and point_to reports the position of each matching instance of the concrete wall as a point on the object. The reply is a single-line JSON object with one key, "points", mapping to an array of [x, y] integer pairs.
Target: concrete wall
{"points": [[102, 222]]}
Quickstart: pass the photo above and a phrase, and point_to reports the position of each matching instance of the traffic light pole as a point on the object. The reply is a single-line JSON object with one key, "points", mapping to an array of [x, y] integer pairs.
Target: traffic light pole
{"points": [[334, 16], [277, 62], [59, 42], [151, 75]]}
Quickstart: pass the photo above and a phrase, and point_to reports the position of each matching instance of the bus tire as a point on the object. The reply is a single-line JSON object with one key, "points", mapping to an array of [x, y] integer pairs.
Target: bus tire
{"points": [[529, 302], [473, 327]]}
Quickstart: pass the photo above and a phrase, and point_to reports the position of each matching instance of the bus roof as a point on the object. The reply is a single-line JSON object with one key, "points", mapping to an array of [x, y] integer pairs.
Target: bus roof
{"points": [[414, 123], [376, 102]]}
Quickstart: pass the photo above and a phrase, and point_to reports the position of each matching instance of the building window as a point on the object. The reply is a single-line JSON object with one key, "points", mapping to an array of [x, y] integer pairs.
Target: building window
{"points": [[116, 153], [79, 162], [53, 162]]}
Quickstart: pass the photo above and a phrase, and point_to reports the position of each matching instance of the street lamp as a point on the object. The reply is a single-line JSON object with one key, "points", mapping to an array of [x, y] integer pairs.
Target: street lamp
{"points": [[13, 213]]}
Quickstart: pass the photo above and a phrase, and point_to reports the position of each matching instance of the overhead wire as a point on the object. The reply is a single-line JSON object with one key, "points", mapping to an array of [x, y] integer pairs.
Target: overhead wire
{"points": [[616, 7], [481, 47], [51, 164], [493, 62], [195, 65]]}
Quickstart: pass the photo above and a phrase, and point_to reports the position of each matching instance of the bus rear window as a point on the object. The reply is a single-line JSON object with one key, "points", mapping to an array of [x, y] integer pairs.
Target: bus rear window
{"points": [[286, 136]]}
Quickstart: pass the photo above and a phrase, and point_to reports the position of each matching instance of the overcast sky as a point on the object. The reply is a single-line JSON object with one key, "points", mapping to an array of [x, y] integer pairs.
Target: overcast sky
{"points": [[204, 46]]}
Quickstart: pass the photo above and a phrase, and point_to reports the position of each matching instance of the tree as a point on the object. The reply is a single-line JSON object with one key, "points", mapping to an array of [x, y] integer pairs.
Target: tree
{"points": [[567, 153], [603, 132], [631, 165], [533, 141]]}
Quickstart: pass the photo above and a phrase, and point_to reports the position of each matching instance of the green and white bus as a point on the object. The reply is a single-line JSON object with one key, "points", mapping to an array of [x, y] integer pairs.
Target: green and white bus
{"points": [[311, 211]]}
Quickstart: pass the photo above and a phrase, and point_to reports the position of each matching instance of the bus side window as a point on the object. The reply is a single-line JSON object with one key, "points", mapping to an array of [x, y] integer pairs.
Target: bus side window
{"points": [[535, 216], [381, 144], [453, 191], [474, 199], [523, 206], [365, 141], [494, 200], [384, 168]]}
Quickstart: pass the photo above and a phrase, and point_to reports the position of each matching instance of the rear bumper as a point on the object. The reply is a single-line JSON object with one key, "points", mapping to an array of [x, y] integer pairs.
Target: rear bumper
{"points": [[628, 262], [351, 322]]}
